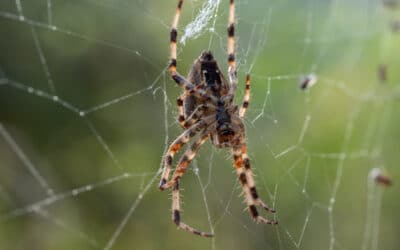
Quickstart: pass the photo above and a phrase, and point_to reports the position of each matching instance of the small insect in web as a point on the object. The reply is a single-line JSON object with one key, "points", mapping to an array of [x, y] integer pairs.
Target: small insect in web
{"points": [[380, 177], [382, 73], [307, 81], [206, 109]]}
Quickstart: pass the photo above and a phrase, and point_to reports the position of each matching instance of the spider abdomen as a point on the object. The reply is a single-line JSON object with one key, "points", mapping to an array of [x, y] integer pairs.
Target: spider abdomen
{"points": [[205, 73]]}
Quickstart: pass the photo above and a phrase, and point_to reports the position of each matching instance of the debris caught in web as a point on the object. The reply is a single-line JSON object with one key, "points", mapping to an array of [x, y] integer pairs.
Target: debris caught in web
{"points": [[200, 22]]}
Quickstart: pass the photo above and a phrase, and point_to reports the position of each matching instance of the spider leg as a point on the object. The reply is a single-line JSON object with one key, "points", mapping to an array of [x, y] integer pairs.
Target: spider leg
{"points": [[181, 117], [231, 49], [173, 37], [176, 217], [180, 80], [250, 176], [174, 148], [179, 171], [245, 174], [186, 159], [196, 115], [246, 97], [192, 89]]}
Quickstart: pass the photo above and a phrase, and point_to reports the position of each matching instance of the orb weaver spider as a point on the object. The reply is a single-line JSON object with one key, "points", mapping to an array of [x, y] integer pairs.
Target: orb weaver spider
{"points": [[206, 108]]}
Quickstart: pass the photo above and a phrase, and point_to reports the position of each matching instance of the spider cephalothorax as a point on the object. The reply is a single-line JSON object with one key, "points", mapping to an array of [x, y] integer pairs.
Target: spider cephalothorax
{"points": [[206, 109]]}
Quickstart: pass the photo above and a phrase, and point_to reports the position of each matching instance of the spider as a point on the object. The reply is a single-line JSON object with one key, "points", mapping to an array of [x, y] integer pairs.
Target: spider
{"points": [[206, 109]]}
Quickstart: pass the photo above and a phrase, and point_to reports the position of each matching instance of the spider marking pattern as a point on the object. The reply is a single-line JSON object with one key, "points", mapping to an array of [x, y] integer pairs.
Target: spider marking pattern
{"points": [[206, 110]]}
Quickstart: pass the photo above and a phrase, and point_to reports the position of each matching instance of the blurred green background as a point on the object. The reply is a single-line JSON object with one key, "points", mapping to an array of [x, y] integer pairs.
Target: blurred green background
{"points": [[87, 110]]}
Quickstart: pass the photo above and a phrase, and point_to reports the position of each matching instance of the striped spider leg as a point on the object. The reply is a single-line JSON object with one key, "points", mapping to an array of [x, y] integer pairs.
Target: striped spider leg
{"points": [[245, 174]]}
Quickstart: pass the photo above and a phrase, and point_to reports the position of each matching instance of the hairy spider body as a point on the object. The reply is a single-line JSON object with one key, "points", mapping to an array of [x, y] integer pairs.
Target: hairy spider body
{"points": [[206, 74], [206, 109]]}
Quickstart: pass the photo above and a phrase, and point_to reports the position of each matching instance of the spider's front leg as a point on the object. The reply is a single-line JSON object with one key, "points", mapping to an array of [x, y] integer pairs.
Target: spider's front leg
{"points": [[245, 174], [173, 38], [232, 74], [190, 88], [178, 78]]}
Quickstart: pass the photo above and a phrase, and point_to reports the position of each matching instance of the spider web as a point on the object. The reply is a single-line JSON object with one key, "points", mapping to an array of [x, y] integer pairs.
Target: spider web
{"points": [[87, 111]]}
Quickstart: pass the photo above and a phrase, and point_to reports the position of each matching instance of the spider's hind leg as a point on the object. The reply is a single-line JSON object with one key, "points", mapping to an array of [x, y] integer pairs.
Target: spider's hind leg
{"points": [[179, 171], [176, 214], [245, 174]]}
